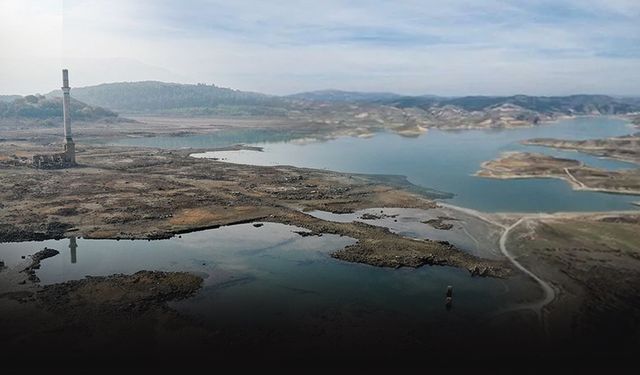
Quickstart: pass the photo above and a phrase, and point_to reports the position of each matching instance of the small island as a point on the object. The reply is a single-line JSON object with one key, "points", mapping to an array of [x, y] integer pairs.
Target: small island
{"points": [[581, 177]]}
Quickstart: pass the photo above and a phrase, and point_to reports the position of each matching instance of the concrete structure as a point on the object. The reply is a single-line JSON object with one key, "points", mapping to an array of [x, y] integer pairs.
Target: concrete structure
{"points": [[52, 161], [68, 157], [69, 146]]}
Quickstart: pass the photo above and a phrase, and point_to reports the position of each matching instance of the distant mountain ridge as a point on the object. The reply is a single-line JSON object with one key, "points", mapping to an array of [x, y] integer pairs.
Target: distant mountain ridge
{"points": [[344, 96], [569, 105], [203, 99]]}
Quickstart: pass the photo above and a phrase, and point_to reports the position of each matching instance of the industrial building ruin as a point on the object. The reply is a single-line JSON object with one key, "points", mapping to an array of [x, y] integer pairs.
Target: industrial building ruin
{"points": [[67, 158]]}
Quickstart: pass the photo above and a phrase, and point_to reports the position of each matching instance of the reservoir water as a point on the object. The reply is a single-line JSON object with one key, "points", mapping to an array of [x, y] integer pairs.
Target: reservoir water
{"points": [[270, 276], [441, 160], [263, 279]]}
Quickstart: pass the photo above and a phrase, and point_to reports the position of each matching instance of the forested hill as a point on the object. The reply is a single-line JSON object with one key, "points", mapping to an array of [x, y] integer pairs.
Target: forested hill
{"points": [[39, 107], [153, 96]]}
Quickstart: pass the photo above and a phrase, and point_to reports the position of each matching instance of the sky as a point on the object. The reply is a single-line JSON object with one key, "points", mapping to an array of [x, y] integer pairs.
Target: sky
{"points": [[454, 47]]}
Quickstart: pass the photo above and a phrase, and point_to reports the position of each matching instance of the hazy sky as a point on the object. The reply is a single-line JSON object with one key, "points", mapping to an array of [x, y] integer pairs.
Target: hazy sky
{"points": [[454, 47]]}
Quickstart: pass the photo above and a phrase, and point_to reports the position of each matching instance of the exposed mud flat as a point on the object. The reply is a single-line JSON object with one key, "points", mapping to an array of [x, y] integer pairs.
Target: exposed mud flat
{"points": [[121, 193], [594, 262], [470, 233]]}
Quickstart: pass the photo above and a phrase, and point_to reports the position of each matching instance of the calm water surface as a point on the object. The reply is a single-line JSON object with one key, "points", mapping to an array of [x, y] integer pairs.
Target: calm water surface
{"points": [[271, 274], [442, 160]]}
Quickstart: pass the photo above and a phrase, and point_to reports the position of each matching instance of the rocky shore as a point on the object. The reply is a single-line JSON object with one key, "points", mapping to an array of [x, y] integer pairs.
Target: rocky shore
{"points": [[117, 316]]}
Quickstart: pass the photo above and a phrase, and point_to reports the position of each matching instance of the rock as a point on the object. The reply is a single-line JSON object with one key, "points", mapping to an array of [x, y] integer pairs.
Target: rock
{"points": [[258, 225], [438, 223], [35, 263], [479, 271], [367, 216], [307, 234], [44, 254]]}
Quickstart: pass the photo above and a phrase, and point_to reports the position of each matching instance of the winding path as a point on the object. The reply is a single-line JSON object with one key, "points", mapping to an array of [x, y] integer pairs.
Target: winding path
{"points": [[574, 179], [549, 293]]}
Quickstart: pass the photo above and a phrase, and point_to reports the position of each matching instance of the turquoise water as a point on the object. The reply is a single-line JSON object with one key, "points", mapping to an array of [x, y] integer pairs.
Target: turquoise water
{"points": [[272, 275], [441, 160]]}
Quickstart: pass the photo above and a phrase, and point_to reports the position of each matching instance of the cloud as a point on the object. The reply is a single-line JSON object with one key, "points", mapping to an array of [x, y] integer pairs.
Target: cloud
{"points": [[452, 47]]}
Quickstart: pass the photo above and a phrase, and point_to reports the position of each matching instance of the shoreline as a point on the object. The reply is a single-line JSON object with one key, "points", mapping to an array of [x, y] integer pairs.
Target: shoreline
{"points": [[202, 126], [599, 156], [126, 193], [518, 165], [167, 193], [572, 183]]}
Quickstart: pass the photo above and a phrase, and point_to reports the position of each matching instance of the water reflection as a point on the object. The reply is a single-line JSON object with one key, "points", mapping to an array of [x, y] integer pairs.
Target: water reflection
{"points": [[284, 276], [73, 246]]}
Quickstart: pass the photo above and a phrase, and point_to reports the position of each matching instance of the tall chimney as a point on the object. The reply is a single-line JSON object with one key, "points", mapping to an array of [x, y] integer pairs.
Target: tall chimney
{"points": [[69, 146]]}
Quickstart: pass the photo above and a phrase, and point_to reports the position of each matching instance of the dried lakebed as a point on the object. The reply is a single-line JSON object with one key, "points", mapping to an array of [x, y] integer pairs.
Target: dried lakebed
{"points": [[285, 262], [153, 194], [129, 194]]}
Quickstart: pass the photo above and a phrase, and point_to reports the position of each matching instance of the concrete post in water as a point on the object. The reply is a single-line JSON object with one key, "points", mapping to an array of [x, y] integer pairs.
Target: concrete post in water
{"points": [[449, 299], [69, 146]]}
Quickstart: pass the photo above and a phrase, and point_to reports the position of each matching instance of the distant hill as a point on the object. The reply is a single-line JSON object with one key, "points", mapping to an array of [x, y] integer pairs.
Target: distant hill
{"points": [[202, 99], [153, 96], [573, 104], [39, 107], [344, 96]]}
